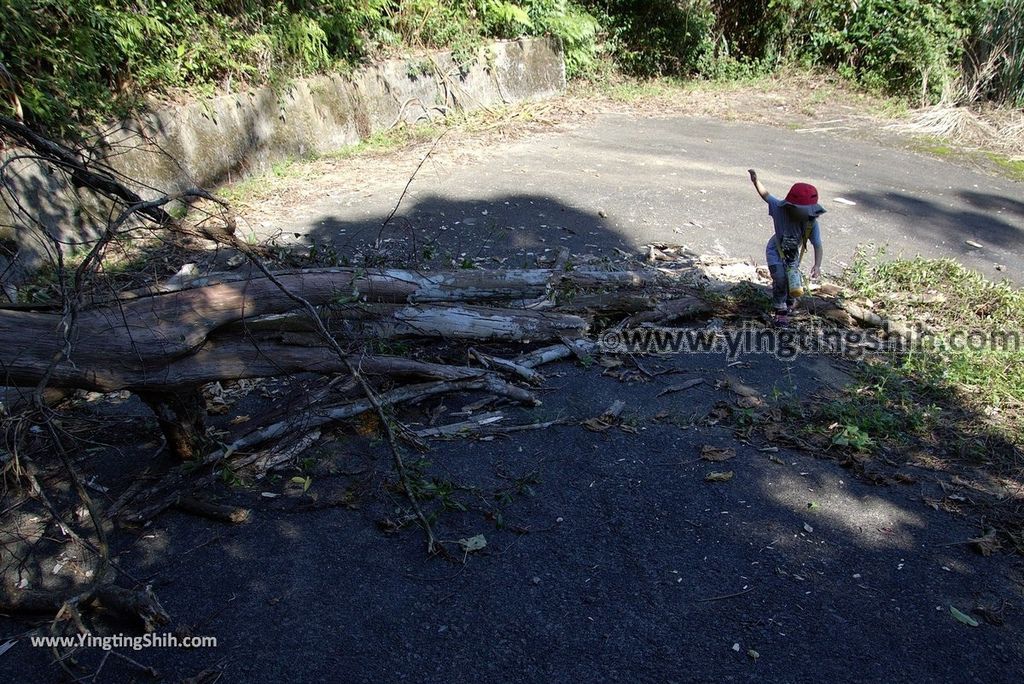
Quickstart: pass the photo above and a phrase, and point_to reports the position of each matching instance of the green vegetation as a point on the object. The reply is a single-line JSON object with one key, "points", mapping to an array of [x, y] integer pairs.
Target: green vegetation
{"points": [[77, 61], [658, 37], [1012, 168], [948, 148], [961, 301], [906, 47], [925, 50], [933, 146], [67, 62], [962, 400]]}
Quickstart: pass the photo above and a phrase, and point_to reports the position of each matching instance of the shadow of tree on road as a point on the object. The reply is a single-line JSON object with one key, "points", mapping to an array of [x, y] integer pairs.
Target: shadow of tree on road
{"points": [[618, 561], [970, 216]]}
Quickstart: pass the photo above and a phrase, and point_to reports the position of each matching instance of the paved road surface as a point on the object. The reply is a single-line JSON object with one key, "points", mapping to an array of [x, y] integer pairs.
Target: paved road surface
{"points": [[635, 569], [683, 180]]}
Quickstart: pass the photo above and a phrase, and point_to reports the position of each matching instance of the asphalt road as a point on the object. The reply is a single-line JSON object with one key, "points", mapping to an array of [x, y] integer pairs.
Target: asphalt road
{"points": [[622, 181], [634, 568]]}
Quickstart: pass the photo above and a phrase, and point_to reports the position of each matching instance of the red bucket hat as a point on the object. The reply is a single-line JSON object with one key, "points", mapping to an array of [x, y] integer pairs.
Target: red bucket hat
{"points": [[804, 198], [802, 195]]}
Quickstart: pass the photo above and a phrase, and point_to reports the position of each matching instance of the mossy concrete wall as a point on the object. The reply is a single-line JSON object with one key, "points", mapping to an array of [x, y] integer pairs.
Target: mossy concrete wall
{"points": [[229, 136]]}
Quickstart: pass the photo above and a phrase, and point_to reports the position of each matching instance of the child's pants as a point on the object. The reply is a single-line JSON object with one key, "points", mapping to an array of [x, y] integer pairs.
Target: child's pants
{"points": [[780, 287]]}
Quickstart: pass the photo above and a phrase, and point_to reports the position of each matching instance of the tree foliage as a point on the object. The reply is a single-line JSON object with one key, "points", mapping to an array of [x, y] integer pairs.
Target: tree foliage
{"points": [[72, 61]]}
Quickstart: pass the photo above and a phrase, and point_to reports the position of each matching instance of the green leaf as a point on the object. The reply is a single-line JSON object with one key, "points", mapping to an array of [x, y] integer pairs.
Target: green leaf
{"points": [[963, 617]]}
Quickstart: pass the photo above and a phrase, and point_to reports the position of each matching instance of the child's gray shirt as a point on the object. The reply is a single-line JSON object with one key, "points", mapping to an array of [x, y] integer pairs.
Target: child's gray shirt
{"points": [[789, 232]]}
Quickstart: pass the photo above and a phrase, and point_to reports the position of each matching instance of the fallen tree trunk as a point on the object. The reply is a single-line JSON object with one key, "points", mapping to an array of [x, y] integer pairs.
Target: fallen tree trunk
{"points": [[402, 285], [202, 334], [164, 345], [457, 321]]}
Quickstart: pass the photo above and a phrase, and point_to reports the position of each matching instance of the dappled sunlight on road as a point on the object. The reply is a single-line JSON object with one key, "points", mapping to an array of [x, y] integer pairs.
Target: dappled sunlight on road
{"points": [[870, 521]]}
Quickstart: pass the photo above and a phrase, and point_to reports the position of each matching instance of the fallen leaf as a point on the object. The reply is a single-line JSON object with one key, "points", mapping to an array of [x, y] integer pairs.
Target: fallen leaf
{"points": [[987, 544], [963, 617], [204, 677], [615, 410], [368, 424], [239, 419], [626, 375], [718, 476], [839, 316], [772, 431], [754, 655], [991, 615], [719, 413], [717, 454], [740, 388], [749, 402], [596, 425], [681, 387], [473, 543]]}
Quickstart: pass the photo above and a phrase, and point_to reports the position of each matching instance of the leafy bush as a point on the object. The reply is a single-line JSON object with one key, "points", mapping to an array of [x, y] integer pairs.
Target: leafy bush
{"points": [[77, 60], [658, 37], [505, 19], [72, 61], [905, 47], [577, 29], [911, 48], [761, 31]]}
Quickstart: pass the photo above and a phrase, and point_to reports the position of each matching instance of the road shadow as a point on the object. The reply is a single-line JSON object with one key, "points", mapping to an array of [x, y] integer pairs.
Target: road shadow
{"points": [[609, 555], [515, 230], [994, 220]]}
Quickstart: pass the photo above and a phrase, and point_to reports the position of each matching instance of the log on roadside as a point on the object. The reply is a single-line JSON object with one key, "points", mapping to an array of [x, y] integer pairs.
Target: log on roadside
{"points": [[143, 343]]}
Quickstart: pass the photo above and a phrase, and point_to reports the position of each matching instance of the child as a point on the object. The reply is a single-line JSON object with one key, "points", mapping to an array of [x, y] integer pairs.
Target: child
{"points": [[796, 222]]}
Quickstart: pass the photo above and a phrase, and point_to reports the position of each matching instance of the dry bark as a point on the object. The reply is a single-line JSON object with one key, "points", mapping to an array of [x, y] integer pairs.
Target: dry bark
{"points": [[192, 336]]}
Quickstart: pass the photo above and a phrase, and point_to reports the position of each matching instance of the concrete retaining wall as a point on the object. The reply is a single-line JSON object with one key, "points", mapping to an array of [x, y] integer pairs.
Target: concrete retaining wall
{"points": [[229, 136]]}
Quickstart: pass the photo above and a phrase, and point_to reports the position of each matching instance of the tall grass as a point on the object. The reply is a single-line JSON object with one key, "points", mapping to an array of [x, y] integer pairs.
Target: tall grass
{"points": [[994, 60]]}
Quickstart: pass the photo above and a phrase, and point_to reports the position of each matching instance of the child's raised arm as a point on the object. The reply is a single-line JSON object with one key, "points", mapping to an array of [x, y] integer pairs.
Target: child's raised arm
{"points": [[757, 185]]}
